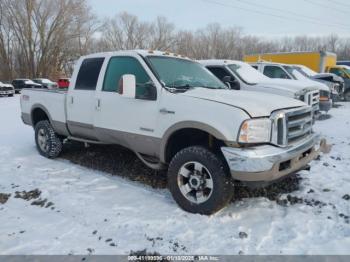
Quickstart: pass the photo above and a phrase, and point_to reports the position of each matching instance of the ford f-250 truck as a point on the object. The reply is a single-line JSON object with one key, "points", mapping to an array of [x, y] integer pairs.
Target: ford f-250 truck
{"points": [[286, 71], [242, 76], [322, 62], [173, 113]]}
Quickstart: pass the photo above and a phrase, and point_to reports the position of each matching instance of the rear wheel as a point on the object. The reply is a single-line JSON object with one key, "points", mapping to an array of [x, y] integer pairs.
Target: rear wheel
{"points": [[198, 181], [47, 141]]}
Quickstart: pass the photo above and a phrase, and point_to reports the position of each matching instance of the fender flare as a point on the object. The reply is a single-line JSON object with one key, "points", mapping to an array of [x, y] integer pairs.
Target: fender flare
{"points": [[183, 125], [40, 106]]}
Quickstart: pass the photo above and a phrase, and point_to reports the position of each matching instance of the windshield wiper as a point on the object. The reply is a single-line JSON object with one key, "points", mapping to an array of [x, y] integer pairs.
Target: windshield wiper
{"points": [[185, 87], [179, 88], [212, 87]]}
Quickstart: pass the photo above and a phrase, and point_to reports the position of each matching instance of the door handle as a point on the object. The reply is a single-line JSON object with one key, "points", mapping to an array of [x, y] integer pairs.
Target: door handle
{"points": [[98, 104], [71, 100], [166, 111]]}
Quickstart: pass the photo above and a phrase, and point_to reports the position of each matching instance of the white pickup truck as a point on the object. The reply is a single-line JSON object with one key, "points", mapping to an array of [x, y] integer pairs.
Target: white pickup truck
{"points": [[6, 89], [289, 72], [173, 113], [241, 76]]}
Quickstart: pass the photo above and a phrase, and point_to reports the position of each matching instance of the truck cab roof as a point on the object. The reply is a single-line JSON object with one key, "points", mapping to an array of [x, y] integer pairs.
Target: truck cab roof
{"points": [[141, 52]]}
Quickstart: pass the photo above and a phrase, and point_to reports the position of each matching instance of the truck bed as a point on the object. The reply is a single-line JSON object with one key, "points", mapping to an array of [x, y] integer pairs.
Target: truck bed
{"points": [[52, 101]]}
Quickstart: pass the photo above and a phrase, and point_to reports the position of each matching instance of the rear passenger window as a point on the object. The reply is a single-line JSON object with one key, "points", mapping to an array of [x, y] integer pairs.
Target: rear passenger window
{"points": [[275, 72], [88, 74]]}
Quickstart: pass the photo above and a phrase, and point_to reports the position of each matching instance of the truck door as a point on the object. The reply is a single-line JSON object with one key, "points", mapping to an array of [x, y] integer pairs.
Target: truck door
{"points": [[128, 121], [81, 99]]}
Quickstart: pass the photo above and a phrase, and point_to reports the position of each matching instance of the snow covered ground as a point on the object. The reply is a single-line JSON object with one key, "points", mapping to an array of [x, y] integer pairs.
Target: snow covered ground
{"points": [[64, 208]]}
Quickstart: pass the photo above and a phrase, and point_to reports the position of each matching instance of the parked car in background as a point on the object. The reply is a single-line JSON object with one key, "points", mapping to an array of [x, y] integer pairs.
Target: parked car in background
{"points": [[241, 76], [347, 63], [285, 71], [343, 71], [19, 84], [317, 61], [6, 89], [63, 83], [321, 62], [336, 83], [178, 116], [47, 83]]}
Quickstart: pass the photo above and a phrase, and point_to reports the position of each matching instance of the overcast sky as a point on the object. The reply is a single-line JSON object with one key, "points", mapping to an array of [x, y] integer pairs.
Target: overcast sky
{"points": [[315, 17]]}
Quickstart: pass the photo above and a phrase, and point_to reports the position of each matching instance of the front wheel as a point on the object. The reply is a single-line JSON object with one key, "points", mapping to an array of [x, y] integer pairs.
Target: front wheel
{"points": [[198, 182], [347, 96], [47, 141]]}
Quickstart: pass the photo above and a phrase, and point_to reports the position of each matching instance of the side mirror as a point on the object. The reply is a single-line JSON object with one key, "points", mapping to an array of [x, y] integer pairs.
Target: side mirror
{"points": [[231, 82], [127, 86], [146, 91], [226, 79], [235, 84]]}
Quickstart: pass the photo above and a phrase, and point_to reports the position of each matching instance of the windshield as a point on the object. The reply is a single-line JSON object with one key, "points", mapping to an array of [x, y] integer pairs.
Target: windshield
{"points": [[183, 74], [347, 69], [306, 70], [295, 73], [248, 73]]}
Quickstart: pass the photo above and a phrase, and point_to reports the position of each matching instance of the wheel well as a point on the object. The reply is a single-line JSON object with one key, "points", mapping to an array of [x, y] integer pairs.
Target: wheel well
{"points": [[190, 137], [38, 114]]}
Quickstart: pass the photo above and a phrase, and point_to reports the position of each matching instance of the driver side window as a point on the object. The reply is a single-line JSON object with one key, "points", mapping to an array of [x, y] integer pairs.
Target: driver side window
{"points": [[219, 72], [121, 65], [275, 72]]}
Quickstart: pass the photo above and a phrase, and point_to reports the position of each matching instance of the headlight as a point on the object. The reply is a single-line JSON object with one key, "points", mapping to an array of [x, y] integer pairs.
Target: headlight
{"points": [[300, 95], [324, 95], [255, 131]]}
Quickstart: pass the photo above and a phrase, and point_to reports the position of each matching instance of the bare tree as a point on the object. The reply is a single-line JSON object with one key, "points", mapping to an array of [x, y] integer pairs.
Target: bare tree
{"points": [[45, 37], [42, 29]]}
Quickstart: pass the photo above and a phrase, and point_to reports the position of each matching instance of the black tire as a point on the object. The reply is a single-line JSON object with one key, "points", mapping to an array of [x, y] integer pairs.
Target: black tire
{"points": [[11, 95], [222, 183], [347, 96], [53, 146]]}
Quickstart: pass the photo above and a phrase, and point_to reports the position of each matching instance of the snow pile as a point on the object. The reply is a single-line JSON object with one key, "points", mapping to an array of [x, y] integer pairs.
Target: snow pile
{"points": [[56, 207]]}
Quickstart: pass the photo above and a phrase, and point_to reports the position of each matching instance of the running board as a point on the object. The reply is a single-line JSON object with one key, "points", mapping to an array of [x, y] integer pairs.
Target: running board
{"points": [[83, 140], [150, 164]]}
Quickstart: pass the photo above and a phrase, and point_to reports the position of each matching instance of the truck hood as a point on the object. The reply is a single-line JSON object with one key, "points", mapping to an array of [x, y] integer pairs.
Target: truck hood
{"points": [[291, 86], [328, 77], [6, 85], [256, 104]]}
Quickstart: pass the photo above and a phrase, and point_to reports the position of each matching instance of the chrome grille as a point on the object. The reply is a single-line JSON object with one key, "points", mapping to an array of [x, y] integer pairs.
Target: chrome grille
{"points": [[312, 98], [6, 88], [290, 126], [298, 124]]}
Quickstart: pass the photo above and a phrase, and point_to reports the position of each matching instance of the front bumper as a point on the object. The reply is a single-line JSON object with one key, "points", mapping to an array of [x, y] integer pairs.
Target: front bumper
{"points": [[267, 163], [326, 105], [316, 107], [8, 92]]}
